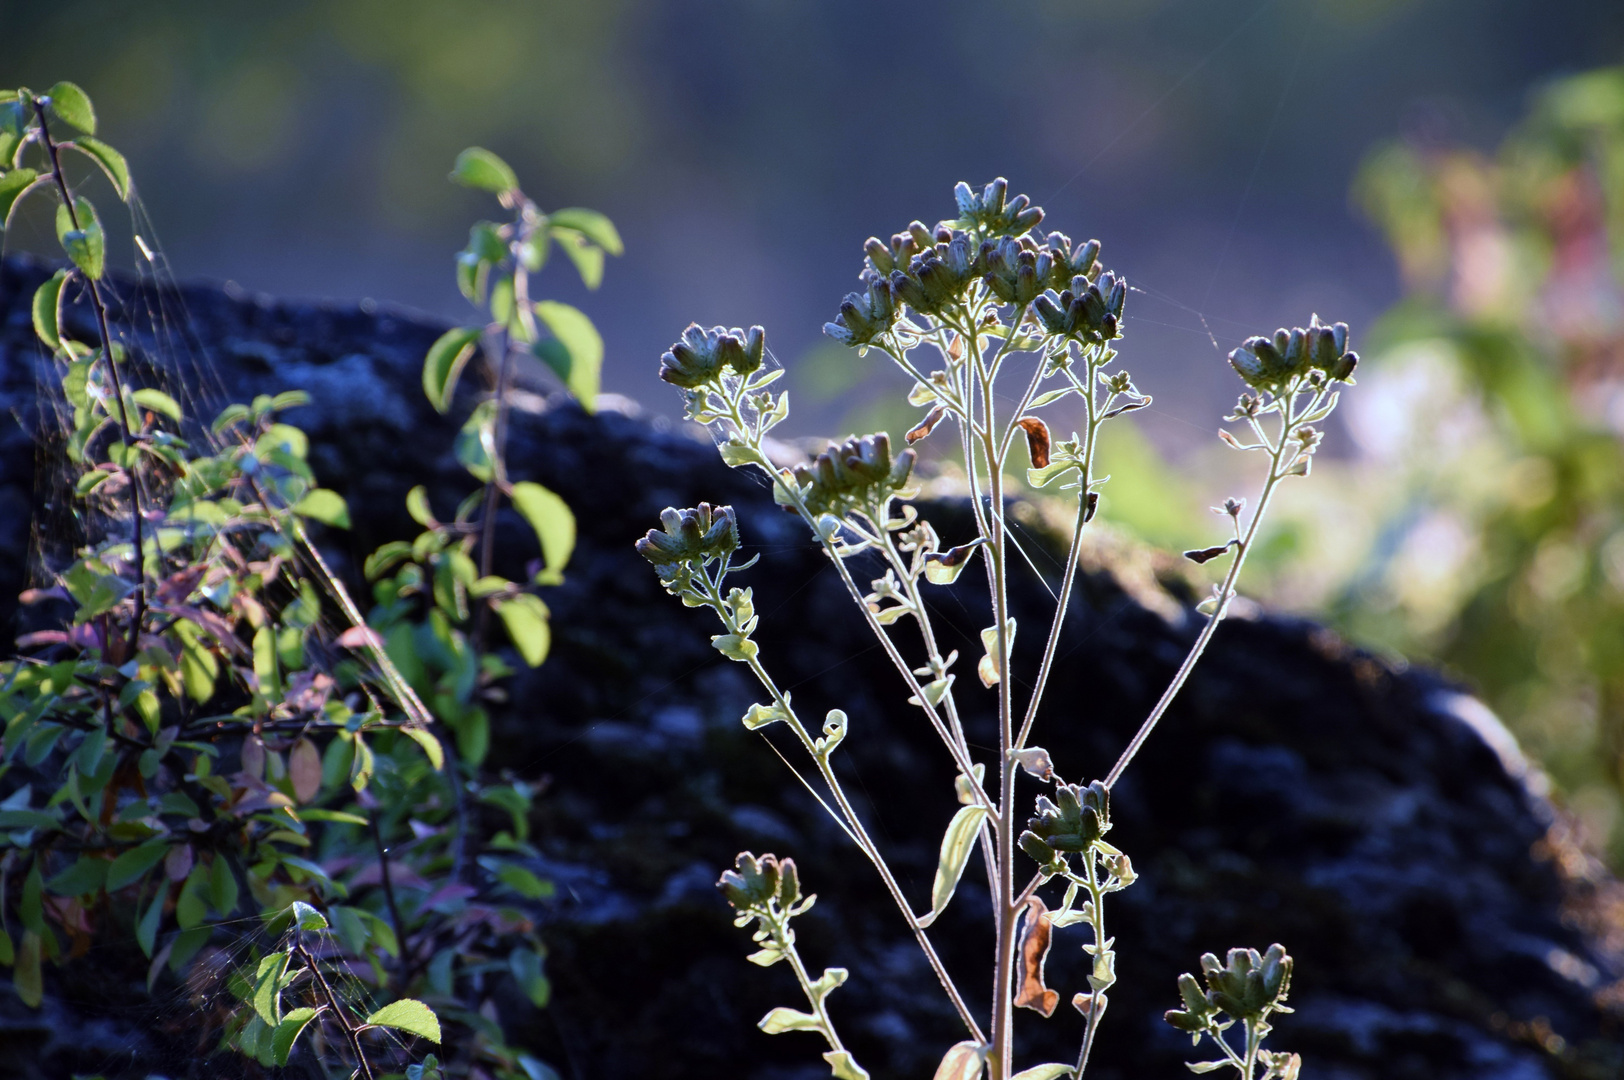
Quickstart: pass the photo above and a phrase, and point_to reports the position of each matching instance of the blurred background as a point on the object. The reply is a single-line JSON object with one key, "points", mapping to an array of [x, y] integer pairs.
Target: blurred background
{"points": [[1446, 175]]}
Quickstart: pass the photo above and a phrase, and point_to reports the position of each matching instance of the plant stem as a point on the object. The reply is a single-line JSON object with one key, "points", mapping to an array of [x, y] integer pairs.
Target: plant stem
{"points": [[125, 432], [1096, 1004], [864, 841], [388, 890], [338, 1012], [1224, 594], [498, 480]]}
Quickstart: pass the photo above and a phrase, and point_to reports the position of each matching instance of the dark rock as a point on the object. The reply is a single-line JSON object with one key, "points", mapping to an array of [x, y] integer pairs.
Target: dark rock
{"points": [[1376, 820]]}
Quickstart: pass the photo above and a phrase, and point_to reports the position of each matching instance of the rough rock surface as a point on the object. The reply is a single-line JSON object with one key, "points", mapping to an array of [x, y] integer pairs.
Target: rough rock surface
{"points": [[1376, 820]]}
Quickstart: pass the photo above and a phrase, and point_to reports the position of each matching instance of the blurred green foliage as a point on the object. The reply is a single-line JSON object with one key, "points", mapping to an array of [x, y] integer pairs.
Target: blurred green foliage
{"points": [[1498, 540]]}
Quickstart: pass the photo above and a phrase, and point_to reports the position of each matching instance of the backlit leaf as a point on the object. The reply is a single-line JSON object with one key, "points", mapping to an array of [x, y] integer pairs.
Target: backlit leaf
{"points": [[73, 106], [477, 167], [525, 618], [957, 843], [554, 524], [111, 161], [287, 1033], [158, 401], [327, 507], [582, 358], [304, 770], [591, 224], [444, 363], [409, 1015], [1051, 1071], [80, 234], [12, 186], [48, 308], [963, 1062], [781, 1020]]}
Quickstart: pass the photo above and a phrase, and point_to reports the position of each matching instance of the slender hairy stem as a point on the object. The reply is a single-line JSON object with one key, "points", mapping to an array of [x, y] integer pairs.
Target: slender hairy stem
{"points": [[1224, 594], [338, 1010], [864, 841], [125, 432], [1096, 1007]]}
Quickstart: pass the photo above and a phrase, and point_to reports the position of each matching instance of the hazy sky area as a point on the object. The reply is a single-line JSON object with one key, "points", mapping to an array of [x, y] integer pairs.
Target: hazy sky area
{"points": [[746, 149]]}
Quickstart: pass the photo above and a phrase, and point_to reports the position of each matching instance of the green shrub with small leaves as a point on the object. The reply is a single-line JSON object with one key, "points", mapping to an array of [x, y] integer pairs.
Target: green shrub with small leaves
{"points": [[214, 752], [993, 322]]}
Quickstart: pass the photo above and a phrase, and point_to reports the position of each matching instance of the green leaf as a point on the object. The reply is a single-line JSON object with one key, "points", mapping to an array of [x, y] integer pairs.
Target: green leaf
{"points": [[111, 161], [782, 1019], [12, 186], [222, 886], [1048, 398], [27, 819], [306, 917], [591, 224], [525, 883], [554, 524], [417, 505], [963, 1061], [132, 864], [475, 445], [158, 402], [85, 245], [444, 363], [267, 987], [843, 1066], [8, 954], [957, 843], [588, 259], [477, 167], [581, 361], [409, 1015], [525, 617], [287, 1033], [432, 749], [146, 931], [327, 507], [1051, 1071], [48, 308], [73, 106], [526, 967], [759, 716], [84, 876], [26, 976]]}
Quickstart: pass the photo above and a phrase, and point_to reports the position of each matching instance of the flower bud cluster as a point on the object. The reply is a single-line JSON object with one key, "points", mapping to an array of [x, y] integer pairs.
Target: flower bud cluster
{"points": [[992, 212], [753, 885], [1018, 270], [1319, 352], [1090, 311], [938, 275], [703, 356], [1075, 820], [690, 538], [856, 474], [1247, 986]]}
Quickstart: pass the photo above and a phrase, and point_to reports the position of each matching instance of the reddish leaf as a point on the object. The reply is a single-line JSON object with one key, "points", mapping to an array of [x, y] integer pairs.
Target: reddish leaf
{"points": [[1037, 440], [1034, 951]]}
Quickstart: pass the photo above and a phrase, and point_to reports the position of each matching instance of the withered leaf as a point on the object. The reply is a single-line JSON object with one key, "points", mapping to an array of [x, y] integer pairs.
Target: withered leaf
{"points": [[1034, 951], [1037, 440], [927, 425], [304, 769], [1202, 555]]}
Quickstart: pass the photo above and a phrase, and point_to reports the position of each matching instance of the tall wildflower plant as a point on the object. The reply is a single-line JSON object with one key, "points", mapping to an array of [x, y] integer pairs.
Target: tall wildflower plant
{"points": [[979, 311]]}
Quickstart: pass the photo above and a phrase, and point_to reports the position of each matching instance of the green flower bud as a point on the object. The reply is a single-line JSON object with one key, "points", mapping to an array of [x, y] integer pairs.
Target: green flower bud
{"points": [[753, 884], [855, 475], [1076, 819], [699, 535], [993, 212], [703, 355], [864, 316]]}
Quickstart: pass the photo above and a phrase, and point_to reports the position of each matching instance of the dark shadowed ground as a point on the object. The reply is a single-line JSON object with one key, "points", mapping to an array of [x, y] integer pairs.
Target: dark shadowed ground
{"points": [[1373, 819]]}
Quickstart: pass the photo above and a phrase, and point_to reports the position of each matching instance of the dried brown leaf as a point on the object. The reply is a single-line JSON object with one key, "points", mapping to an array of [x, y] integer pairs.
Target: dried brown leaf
{"points": [[1037, 440], [1035, 934]]}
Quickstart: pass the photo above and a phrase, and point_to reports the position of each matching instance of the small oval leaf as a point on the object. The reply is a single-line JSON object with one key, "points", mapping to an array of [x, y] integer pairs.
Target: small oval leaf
{"points": [[590, 224], [477, 167], [444, 363], [73, 106], [409, 1015], [554, 524], [111, 161], [48, 309], [582, 358]]}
